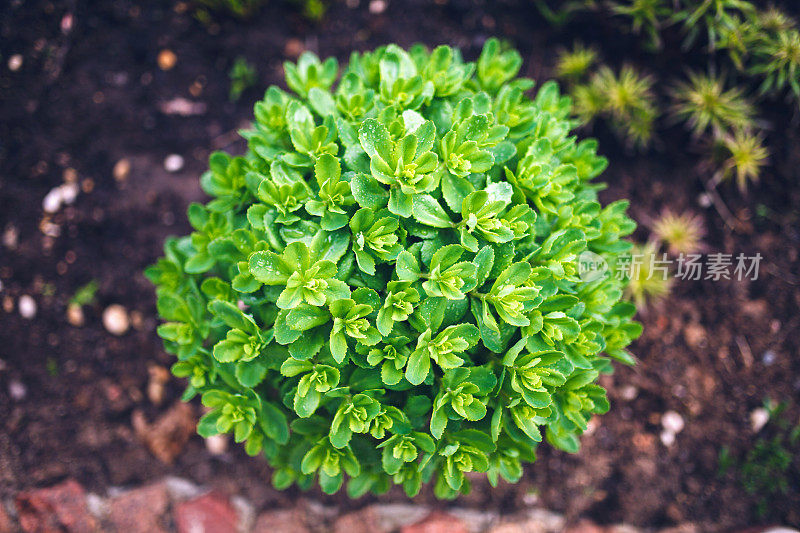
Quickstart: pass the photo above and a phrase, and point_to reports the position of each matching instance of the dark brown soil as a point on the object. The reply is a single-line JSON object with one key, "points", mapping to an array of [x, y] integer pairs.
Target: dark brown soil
{"points": [[88, 94]]}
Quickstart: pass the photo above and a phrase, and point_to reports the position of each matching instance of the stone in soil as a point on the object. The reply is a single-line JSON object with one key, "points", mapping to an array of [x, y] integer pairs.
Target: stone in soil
{"points": [[437, 522], [27, 307], [211, 512], [140, 510], [362, 521], [58, 508], [281, 521], [166, 437], [115, 319]]}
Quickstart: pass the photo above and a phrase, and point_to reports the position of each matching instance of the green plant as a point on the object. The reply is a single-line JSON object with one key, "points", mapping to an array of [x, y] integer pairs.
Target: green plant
{"points": [[85, 295], [243, 76], [625, 99], [245, 9], [771, 466], [575, 64], [647, 17], [746, 154], [705, 105], [237, 8], [682, 233], [648, 277], [386, 287]]}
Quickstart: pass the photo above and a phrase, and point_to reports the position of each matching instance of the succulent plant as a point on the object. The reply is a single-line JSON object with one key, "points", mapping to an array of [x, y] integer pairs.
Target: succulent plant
{"points": [[385, 286]]}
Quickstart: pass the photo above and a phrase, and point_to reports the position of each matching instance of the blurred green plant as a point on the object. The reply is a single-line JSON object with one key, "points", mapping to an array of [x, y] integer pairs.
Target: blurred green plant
{"points": [[649, 278], [243, 76], [771, 466], [704, 104], [680, 232], [746, 155], [245, 9], [85, 295], [625, 99]]}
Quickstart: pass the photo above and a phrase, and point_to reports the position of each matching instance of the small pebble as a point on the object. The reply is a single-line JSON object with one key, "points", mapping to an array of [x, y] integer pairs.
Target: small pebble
{"points": [[10, 237], [62, 195], [115, 319], [667, 438], [159, 376], [376, 7], [173, 163], [768, 358], [75, 315], [758, 419], [27, 307], [167, 59], [217, 444], [672, 422], [629, 392], [293, 47], [122, 169], [2, 365], [15, 62], [17, 390]]}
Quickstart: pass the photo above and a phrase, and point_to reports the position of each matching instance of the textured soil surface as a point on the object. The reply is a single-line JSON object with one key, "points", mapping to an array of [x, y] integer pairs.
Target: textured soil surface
{"points": [[78, 402]]}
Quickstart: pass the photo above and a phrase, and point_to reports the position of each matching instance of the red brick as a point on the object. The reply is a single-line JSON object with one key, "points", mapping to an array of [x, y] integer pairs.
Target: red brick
{"points": [[585, 526], [6, 524], [363, 521], [140, 510], [210, 513], [437, 522], [281, 521], [58, 508]]}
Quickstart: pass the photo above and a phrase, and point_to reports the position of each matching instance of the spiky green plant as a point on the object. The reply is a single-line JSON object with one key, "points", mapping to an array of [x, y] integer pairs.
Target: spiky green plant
{"points": [[710, 16], [746, 156], [574, 64], [704, 104], [681, 233], [779, 62], [648, 283], [646, 17], [629, 101]]}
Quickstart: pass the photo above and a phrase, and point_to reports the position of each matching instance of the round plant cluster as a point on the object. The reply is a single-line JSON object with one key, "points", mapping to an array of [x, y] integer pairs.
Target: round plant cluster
{"points": [[387, 286]]}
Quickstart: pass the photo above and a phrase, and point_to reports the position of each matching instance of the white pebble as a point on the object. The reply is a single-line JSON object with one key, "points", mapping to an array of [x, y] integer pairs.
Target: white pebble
{"points": [[217, 444], [15, 62], [629, 392], [17, 390], [115, 319], [667, 438], [27, 307], [173, 163], [758, 419], [672, 422], [376, 7], [69, 191], [52, 201], [63, 194]]}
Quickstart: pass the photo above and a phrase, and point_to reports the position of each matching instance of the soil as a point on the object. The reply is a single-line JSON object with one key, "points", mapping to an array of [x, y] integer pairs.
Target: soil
{"points": [[89, 93]]}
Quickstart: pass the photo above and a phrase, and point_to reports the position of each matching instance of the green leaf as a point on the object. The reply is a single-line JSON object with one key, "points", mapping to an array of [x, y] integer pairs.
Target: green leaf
{"points": [[419, 365], [407, 267], [428, 211], [368, 191]]}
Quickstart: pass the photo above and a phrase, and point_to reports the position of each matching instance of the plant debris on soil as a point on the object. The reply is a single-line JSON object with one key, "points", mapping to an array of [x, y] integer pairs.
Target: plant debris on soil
{"points": [[121, 103]]}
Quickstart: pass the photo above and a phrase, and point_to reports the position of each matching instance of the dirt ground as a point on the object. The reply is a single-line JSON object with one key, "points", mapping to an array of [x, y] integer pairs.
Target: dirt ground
{"points": [[90, 93]]}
